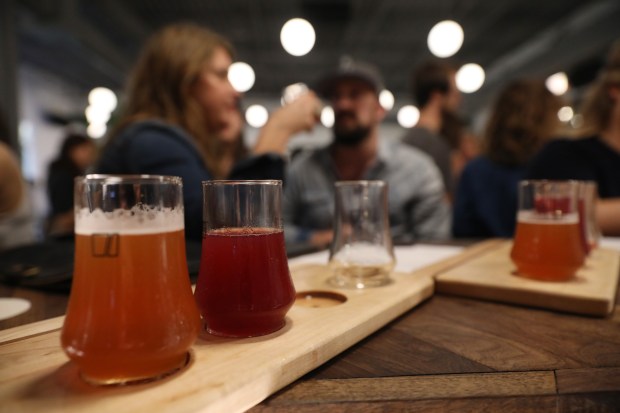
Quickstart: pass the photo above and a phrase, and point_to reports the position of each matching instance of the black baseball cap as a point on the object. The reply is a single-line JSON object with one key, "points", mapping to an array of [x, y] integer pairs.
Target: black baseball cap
{"points": [[350, 69]]}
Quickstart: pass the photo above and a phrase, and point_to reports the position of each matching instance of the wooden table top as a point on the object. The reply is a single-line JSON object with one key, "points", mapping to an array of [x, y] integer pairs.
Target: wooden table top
{"points": [[449, 353]]}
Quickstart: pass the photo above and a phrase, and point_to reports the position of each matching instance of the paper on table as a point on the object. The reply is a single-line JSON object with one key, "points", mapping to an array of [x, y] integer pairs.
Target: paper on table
{"points": [[314, 258], [12, 306], [414, 257], [408, 258], [611, 243]]}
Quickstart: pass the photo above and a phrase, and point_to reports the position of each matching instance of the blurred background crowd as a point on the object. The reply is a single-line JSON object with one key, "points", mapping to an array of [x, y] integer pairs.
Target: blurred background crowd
{"points": [[452, 103]]}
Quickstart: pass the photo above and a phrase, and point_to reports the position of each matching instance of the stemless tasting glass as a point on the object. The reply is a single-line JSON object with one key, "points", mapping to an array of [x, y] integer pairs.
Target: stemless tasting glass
{"points": [[244, 286], [361, 253], [590, 233], [131, 315], [548, 241]]}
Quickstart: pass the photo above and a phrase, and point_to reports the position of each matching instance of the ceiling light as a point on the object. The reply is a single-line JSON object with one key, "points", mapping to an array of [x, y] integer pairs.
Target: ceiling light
{"points": [[241, 76], [557, 83], [445, 38], [577, 121], [327, 117], [565, 114], [297, 37], [96, 130], [386, 98], [256, 116], [104, 98], [292, 92], [408, 116], [97, 114], [470, 78]]}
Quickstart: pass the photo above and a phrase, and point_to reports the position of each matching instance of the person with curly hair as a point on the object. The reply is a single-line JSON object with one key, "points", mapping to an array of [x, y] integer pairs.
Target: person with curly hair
{"points": [[523, 119]]}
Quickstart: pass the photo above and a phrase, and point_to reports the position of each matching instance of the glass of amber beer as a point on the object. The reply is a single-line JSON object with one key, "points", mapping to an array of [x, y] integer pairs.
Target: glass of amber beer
{"points": [[244, 286], [131, 315], [548, 240]]}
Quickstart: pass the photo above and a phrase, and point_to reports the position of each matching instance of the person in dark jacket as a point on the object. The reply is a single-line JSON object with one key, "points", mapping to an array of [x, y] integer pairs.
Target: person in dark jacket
{"points": [[77, 153]]}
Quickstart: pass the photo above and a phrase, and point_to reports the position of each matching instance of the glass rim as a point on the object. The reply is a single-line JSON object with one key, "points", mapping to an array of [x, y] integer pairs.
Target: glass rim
{"points": [[112, 179], [361, 182], [231, 182], [524, 182]]}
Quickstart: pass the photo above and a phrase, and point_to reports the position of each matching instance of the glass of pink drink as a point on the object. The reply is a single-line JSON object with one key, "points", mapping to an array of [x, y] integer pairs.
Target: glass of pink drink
{"points": [[244, 286]]}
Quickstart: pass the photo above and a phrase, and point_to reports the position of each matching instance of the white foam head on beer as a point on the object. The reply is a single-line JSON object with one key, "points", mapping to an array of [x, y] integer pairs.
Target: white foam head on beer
{"points": [[533, 217], [135, 221]]}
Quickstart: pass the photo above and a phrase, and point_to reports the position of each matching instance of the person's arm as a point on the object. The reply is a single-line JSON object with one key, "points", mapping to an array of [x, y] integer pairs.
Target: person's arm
{"points": [[264, 166], [321, 238], [608, 216], [297, 116], [267, 160]]}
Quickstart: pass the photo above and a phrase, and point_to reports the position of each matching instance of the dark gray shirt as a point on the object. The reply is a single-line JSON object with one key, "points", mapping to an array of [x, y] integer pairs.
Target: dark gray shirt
{"points": [[437, 148], [418, 209]]}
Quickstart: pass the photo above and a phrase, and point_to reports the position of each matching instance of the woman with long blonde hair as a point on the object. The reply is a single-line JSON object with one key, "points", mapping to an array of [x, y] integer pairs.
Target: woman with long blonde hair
{"points": [[181, 117]]}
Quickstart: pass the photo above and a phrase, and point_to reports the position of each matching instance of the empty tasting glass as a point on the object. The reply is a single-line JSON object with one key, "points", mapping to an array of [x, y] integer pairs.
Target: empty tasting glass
{"points": [[131, 315], [361, 253], [548, 240], [244, 286]]}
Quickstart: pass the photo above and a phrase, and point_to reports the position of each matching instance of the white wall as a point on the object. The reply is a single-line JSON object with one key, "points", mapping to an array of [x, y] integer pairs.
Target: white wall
{"points": [[39, 93]]}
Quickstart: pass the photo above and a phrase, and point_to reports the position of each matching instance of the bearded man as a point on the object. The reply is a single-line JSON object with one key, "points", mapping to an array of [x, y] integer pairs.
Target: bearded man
{"points": [[417, 207]]}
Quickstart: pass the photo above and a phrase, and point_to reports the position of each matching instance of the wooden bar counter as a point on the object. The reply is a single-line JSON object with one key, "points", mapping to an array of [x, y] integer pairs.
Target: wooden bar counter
{"points": [[448, 354]]}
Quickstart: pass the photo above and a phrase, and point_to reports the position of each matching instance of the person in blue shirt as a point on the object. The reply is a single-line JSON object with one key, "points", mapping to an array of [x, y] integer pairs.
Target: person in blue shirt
{"points": [[181, 117], [524, 117]]}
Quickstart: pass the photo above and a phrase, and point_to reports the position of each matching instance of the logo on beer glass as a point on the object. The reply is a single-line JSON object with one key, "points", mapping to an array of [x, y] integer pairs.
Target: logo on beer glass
{"points": [[104, 245]]}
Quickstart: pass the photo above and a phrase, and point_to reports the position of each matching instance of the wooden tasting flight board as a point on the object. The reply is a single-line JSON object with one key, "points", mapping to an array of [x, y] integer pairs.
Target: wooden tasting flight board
{"points": [[224, 375], [491, 275]]}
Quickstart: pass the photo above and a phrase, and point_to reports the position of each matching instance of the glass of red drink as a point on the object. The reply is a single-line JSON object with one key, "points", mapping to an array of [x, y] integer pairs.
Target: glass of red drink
{"points": [[131, 315], [244, 286], [548, 240]]}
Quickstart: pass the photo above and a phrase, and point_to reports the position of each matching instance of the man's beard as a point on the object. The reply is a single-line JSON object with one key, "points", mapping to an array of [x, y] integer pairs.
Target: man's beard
{"points": [[350, 137]]}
